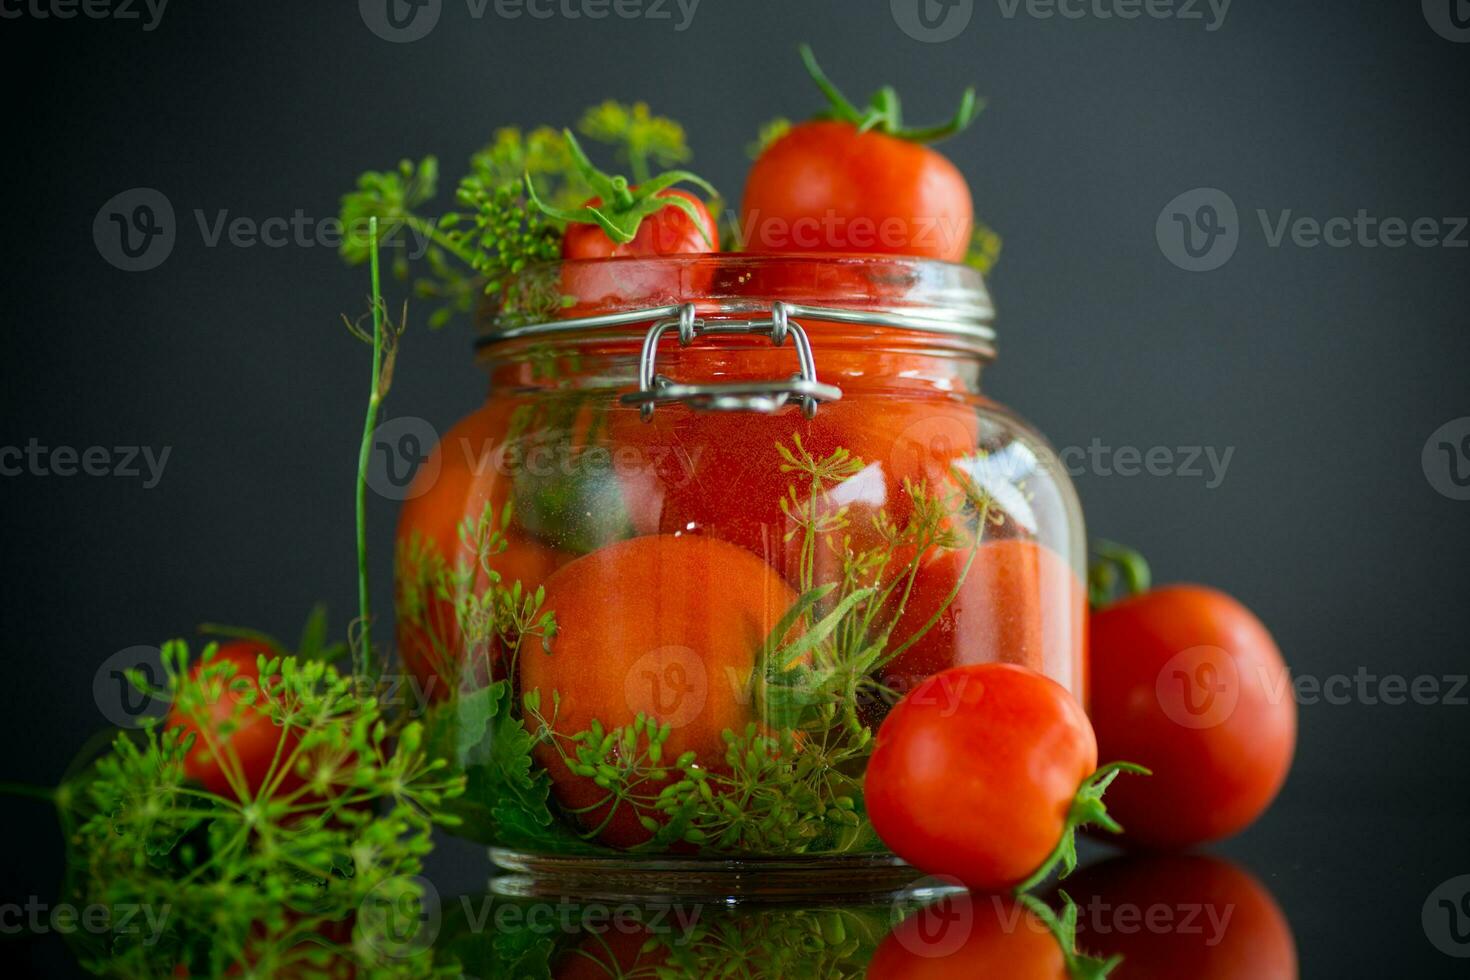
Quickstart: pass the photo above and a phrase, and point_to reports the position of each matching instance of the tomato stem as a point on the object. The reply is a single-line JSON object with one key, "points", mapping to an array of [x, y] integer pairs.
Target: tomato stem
{"points": [[1110, 561], [885, 111], [1087, 809], [1079, 966], [623, 206]]}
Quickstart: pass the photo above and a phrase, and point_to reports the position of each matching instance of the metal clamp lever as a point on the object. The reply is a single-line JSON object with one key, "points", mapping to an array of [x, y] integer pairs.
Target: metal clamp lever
{"points": [[739, 396]]}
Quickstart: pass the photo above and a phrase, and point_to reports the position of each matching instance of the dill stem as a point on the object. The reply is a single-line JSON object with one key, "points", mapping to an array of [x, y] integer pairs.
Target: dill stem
{"points": [[30, 792], [364, 652]]}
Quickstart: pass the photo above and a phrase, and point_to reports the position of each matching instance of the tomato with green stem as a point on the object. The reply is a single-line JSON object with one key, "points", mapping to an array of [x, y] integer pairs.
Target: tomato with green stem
{"points": [[626, 221], [1190, 683], [859, 182], [986, 936], [984, 773]]}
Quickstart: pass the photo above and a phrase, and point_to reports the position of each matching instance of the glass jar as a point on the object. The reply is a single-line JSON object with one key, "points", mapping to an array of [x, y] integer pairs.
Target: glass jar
{"points": [[716, 515]]}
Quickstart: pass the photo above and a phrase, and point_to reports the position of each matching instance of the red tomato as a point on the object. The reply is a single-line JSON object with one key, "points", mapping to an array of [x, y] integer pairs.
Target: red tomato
{"points": [[664, 625], [974, 773], [826, 187], [466, 472], [1019, 603], [1182, 916], [971, 936], [1189, 683], [668, 231], [722, 474], [249, 750]]}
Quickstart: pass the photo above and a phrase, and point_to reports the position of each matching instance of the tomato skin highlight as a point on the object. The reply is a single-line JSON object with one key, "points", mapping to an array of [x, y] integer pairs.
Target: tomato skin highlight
{"points": [[1020, 603], [965, 936], [913, 440], [1189, 683], [974, 772], [677, 640], [826, 187], [1236, 929], [255, 739]]}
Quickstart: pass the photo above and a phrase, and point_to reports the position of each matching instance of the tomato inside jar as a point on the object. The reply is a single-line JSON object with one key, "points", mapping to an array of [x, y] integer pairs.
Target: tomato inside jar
{"points": [[716, 516]]}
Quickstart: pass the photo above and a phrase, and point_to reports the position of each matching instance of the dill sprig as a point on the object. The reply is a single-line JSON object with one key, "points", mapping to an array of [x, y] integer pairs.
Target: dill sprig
{"points": [[268, 880], [493, 231]]}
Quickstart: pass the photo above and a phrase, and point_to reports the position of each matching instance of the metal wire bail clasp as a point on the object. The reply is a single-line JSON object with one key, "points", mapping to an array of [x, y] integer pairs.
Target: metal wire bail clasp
{"points": [[737, 396]]}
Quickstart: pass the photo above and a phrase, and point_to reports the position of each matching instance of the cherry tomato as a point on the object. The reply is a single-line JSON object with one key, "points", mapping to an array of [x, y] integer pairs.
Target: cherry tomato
{"points": [[826, 187], [1189, 915], [668, 231], [601, 272], [1019, 602], [1189, 683], [975, 772], [250, 746], [667, 626]]}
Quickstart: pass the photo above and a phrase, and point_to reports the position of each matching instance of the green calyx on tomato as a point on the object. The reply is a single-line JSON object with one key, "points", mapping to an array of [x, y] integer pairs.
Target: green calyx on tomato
{"points": [[884, 113], [1112, 562], [620, 207], [994, 746], [1087, 809]]}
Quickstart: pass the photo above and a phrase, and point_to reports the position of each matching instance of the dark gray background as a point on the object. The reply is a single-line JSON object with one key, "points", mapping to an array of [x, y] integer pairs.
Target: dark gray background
{"points": [[1326, 369]]}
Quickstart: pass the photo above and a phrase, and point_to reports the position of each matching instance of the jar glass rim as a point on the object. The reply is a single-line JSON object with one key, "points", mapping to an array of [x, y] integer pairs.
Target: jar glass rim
{"points": [[622, 294]]}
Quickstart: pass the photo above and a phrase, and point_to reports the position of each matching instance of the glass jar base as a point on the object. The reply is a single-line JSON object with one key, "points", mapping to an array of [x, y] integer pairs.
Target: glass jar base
{"points": [[633, 878]]}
